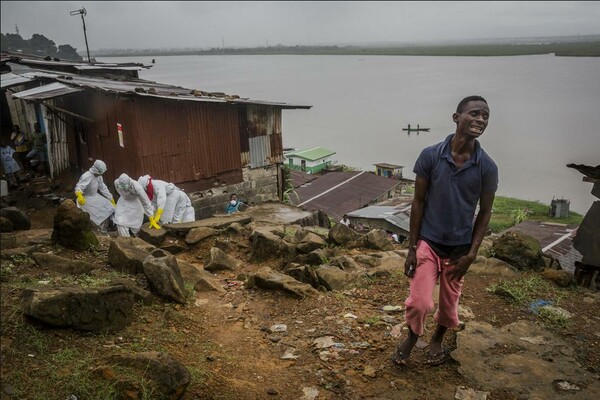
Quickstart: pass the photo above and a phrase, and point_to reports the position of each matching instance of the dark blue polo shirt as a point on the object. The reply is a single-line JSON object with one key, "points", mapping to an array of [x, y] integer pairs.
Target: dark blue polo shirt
{"points": [[452, 194]]}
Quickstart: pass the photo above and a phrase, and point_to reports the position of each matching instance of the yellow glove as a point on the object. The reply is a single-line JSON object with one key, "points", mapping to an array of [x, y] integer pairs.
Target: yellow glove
{"points": [[112, 201], [80, 198], [153, 223], [158, 214]]}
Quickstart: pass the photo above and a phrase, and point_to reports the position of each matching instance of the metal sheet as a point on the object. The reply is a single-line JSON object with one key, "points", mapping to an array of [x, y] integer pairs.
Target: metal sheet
{"points": [[44, 92], [260, 151], [58, 150], [140, 87], [10, 79]]}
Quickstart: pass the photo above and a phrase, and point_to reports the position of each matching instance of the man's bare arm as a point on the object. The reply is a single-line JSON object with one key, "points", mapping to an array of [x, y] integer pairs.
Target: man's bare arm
{"points": [[486, 201], [416, 219]]}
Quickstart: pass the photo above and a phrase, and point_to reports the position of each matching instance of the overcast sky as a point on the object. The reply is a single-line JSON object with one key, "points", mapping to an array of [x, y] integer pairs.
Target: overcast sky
{"points": [[159, 24]]}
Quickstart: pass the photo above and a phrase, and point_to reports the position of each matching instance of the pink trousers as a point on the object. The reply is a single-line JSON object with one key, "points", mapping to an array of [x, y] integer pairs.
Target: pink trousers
{"points": [[419, 303]]}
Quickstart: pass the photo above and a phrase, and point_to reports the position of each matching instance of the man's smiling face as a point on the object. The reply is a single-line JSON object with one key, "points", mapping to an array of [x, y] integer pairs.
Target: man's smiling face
{"points": [[473, 119]]}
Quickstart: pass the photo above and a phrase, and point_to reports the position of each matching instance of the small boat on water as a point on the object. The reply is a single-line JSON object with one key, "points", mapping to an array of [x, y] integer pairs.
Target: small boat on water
{"points": [[417, 129]]}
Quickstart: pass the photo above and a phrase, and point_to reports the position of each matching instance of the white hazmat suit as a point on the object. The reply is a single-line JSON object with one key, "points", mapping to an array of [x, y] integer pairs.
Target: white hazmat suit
{"points": [[183, 212], [160, 194], [98, 205], [131, 206]]}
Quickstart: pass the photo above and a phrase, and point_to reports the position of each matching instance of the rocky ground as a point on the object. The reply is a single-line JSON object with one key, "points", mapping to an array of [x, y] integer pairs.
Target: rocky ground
{"points": [[265, 309]]}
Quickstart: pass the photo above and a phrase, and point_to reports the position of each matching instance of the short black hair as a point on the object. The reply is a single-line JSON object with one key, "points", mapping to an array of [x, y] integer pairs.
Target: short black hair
{"points": [[466, 100], [231, 195]]}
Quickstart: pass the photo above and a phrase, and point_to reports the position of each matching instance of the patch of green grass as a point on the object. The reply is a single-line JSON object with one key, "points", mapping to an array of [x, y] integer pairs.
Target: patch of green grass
{"points": [[524, 292], [371, 320], [508, 211], [552, 318]]}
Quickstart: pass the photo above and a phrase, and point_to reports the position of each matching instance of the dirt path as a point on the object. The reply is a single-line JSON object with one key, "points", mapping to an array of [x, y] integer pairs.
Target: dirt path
{"points": [[227, 343]]}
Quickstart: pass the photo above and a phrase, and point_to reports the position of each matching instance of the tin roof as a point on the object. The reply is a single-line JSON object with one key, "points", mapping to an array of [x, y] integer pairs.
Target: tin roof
{"points": [[389, 166], [44, 92], [313, 154], [38, 61], [339, 193], [139, 87], [11, 79], [391, 214], [300, 178]]}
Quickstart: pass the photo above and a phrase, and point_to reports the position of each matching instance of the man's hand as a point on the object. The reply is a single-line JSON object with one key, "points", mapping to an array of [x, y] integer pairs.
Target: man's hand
{"points": [[456, 269], [153, 223], [80, 198], [411, 263]]}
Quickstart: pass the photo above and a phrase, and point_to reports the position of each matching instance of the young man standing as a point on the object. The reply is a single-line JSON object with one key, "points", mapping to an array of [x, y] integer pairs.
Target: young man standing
{"points": [[451, 178]]}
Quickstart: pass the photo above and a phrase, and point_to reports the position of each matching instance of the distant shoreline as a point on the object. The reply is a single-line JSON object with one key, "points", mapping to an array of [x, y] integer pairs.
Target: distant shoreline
{"points": [[566, 49]]}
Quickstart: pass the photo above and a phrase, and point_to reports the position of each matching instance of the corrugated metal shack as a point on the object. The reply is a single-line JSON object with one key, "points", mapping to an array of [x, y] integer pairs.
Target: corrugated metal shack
{"points": [[200, 141]]}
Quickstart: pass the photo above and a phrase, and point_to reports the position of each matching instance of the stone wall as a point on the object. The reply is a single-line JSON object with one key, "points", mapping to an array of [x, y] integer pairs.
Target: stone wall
{"points": [[259, 185]]}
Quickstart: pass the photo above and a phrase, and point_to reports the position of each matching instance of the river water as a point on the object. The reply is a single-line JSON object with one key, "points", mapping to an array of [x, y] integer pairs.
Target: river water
{"points": [[545, 110]]}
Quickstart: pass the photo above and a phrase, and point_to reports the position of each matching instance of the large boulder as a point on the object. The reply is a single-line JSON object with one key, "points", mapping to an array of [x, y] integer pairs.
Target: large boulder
{"points": [[197, 235], [19, 219], [266, 245], [6, 225], [139, 294], [492, 266], [266, 278], [333, 278], [8, 241], [377, 239], [303, 273], [162, 271], [199, 279], [522, 358], [62, 265], [341, 235], [388, 266], [345, 263], [167, 377], [73, 228], [220, 261], [519, 250], [310, 242], [127, 254], [94, 309], [153, 236]]}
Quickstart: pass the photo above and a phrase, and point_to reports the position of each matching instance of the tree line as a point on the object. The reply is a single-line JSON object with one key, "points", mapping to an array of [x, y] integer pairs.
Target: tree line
{"points": [[38, 45]]}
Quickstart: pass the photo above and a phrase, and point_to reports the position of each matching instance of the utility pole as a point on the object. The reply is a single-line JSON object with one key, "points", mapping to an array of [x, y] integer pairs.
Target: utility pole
{"points": [[17, 28], [83, 12]]}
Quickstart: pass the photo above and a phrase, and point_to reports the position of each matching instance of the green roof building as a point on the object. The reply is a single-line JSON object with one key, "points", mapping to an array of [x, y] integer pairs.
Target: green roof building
{"points": [[309, 160]]}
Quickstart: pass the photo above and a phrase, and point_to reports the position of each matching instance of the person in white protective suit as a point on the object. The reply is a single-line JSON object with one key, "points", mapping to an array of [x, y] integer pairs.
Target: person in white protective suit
{"points": [[131, 206], [93, 196], [160, 194], [183, 212]]}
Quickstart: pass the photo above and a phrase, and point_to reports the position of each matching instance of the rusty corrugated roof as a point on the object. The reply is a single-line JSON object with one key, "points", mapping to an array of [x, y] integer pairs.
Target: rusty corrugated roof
{"points": [[299, 178], [338, 193], [140, 87]]}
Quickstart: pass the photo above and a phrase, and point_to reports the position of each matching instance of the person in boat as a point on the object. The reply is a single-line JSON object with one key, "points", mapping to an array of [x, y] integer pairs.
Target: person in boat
{"points": [[451, 178]]}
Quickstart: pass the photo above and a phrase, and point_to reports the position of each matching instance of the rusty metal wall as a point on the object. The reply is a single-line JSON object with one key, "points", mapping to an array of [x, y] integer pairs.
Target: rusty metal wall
{"points": [[260, 151], [262, 122], [183, 141], [186, 143], [58, 148]]}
